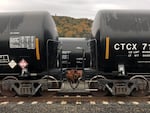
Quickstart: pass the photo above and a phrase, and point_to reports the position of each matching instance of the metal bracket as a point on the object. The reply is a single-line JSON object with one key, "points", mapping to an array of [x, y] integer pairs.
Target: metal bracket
{"points": [[24, 72], [121, 69]]}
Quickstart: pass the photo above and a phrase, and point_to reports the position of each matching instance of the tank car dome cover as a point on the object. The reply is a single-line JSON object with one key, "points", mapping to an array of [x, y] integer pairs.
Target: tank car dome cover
{"points": [[122, 22]]}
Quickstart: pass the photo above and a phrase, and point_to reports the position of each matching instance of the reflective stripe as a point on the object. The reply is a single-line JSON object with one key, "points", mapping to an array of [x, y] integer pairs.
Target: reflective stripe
{"points": [[37, 49], [107, 48]]}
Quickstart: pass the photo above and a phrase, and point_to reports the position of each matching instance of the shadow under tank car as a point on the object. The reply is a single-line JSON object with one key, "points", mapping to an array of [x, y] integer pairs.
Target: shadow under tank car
{"points": [[122, 52], [28, 50]]}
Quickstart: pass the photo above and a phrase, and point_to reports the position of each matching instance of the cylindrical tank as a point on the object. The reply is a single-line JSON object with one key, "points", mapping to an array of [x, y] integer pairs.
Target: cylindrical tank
{"points": [[123, 37], [23, 40], [76, 49]]}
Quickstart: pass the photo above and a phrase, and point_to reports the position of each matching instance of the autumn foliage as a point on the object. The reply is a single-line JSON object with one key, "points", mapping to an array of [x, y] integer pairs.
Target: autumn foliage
{"points": [[71, 27]]}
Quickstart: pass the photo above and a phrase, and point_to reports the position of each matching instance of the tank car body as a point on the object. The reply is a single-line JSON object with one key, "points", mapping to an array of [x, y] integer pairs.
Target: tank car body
{"points": [[122, 48], [123, 38], [75, 49], [24, 36], [28, 47]]}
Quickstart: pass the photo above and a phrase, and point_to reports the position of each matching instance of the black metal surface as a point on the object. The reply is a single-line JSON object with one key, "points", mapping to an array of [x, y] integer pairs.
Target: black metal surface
{"points": [[24, 27], [76, 47], [128, 32]]}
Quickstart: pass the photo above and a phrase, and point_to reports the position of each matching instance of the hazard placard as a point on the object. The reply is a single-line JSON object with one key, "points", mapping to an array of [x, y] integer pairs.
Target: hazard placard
{"points": [[12, 64], [23, 63]]}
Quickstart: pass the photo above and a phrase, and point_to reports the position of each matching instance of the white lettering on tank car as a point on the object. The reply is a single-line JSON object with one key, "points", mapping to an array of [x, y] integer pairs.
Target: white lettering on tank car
{"points": [[145, 51], [146, 55], [134, 49], [133, 53], [146, 46], [145, 62], [27, 42], [14, 33], [124, 46], [4, 59], [65, 54], [116, 46]]}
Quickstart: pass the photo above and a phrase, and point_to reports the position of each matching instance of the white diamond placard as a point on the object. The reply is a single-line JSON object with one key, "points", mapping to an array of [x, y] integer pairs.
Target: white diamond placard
{"points": [[12, 64]]}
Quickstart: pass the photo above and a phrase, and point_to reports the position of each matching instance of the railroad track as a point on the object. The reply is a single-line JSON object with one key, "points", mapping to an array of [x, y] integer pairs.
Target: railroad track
{"points": [[75, 99], [74, 104]]}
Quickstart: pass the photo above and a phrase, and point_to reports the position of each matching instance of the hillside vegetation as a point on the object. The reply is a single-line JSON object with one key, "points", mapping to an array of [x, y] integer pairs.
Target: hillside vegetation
{"points": [[71, 27]]}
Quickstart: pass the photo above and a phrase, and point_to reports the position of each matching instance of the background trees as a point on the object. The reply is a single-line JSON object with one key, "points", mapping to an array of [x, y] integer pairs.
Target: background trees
{"points": [[71, 27]]}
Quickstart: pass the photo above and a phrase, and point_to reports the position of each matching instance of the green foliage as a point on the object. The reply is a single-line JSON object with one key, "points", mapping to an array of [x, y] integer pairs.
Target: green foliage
{"points": [[71, 27]]}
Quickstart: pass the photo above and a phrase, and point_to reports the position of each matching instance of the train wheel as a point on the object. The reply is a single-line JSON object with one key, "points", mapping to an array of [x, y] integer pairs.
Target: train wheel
{"points": [[51, 82], [98, 82], [141, 86], [6, 87]]}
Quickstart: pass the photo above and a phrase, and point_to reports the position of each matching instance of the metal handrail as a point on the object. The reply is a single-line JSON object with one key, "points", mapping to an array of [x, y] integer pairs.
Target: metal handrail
{"points": [[96, 56], [47, 50]]}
